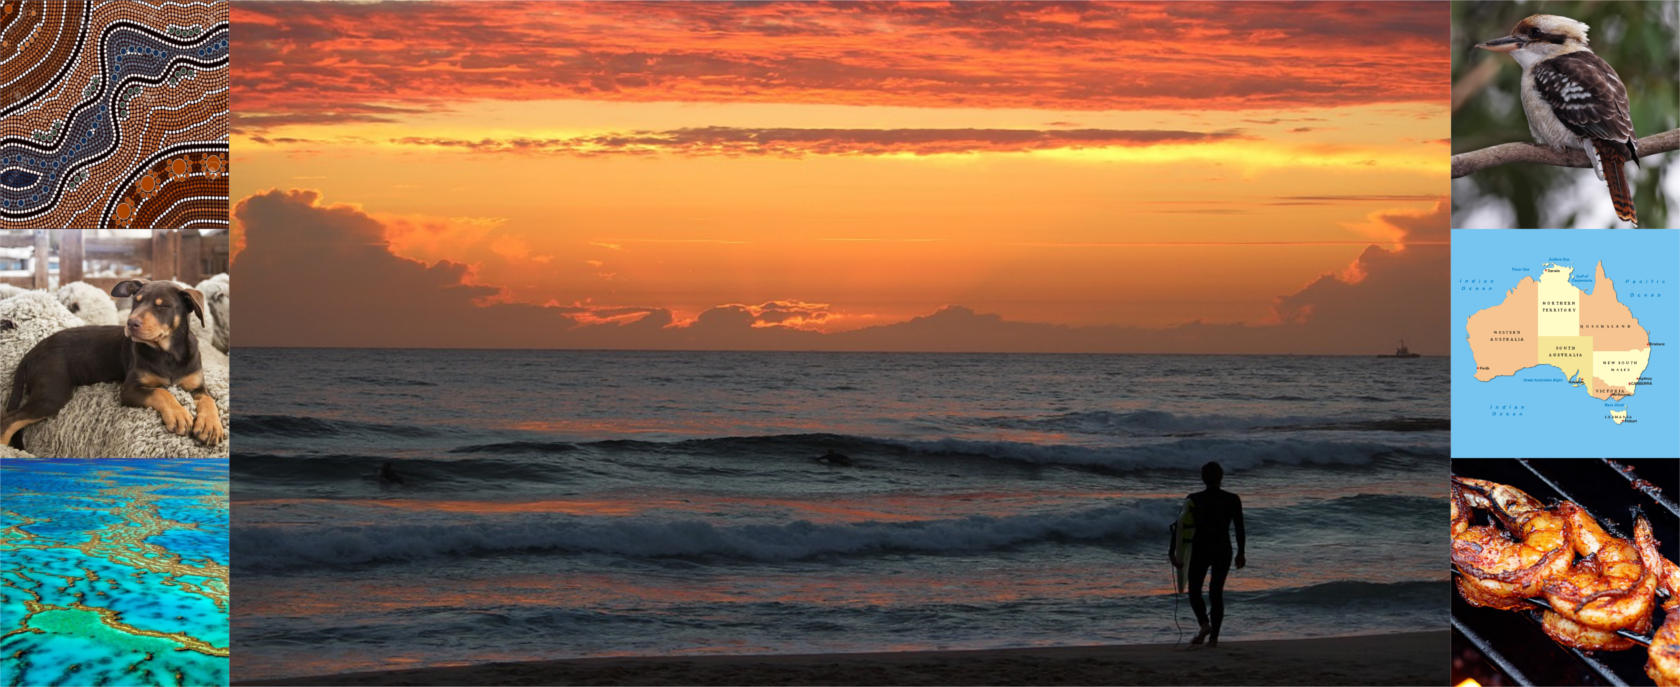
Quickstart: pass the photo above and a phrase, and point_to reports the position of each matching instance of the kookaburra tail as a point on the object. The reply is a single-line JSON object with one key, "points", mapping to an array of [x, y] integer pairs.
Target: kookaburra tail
{"points": [[1574, 99]]}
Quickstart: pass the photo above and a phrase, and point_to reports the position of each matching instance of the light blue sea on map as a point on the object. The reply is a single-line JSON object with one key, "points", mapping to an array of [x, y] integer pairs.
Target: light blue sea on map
{"points": [[1537, 413]]}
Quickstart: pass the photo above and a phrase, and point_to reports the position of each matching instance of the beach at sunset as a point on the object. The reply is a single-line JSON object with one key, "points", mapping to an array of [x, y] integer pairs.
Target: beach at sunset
{"points": [[1413, 658], [704, 503], [692, 331]]}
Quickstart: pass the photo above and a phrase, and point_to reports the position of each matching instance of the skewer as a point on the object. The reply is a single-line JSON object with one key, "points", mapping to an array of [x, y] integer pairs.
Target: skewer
{"points": [[1605, 671], [1642, 639], [1644, 487], [1609, 526], [1490, 652]]}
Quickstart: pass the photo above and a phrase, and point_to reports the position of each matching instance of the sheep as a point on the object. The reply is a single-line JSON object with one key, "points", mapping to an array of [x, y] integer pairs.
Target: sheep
{"points": [[205, 331], [26, 319], [95, 423], [217, 299], [89, 302], [8, 291]]}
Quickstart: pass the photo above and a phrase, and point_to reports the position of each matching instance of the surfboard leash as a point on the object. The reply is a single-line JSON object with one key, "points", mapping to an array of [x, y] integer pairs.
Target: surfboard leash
{"points": [[1175, 595]]}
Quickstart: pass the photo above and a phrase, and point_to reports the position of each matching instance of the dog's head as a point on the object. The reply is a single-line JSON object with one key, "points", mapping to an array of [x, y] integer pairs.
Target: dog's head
{"points": [[160, 309]]}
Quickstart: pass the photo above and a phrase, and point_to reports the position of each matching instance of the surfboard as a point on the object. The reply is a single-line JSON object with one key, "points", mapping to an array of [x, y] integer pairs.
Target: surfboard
{"points": [[1184, 530]]}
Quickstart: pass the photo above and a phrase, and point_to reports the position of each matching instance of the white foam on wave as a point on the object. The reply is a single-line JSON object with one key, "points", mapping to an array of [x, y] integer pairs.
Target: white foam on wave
{"points": [[1159, 423], [1233, 454], [277, 548]]}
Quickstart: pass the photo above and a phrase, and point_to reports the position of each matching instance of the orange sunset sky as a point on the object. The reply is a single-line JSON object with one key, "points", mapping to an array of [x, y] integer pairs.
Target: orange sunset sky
{"points": [[1234, 177]]}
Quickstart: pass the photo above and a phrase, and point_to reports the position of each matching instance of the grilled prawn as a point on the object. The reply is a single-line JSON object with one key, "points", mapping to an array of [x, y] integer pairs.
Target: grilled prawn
{"points": [[1662, 661], [1500, 572], [1608, 589]]}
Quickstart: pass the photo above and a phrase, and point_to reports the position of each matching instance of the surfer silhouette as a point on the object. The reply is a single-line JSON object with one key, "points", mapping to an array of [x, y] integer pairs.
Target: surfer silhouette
{"points": [[1205, 527], [834, 457], [388, 476]]}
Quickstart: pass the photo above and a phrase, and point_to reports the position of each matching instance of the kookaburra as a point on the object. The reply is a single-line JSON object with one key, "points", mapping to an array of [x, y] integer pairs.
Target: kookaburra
{"points": [[1574, 99]]}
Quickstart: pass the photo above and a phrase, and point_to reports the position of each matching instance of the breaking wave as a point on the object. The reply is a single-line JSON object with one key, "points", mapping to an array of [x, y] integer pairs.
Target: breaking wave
{"points": [[1154, 423], [258, 548], [266, 548]]}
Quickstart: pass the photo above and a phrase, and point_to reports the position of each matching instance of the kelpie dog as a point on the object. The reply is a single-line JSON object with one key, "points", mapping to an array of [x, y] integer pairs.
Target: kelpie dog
{"points": [[154, 350]]}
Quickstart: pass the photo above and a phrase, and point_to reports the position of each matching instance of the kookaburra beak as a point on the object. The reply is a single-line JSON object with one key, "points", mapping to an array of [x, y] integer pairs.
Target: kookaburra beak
{"points": [[1506, 44]]}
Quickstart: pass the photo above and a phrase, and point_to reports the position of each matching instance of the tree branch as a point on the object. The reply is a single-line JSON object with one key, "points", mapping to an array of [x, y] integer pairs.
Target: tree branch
{"points": [[1464, 164]]}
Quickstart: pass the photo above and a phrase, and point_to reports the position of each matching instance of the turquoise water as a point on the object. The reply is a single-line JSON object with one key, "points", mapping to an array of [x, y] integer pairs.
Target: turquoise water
{"points": [[113, 572], [1537, 413]]}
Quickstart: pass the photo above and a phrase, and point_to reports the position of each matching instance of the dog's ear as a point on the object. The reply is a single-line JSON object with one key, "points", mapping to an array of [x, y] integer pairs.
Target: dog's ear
{"points": [[124, 289], [195, 300]]}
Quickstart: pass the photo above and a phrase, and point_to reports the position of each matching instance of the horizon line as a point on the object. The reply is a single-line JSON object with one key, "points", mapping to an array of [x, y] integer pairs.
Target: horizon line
{"points": [[807, 350]]}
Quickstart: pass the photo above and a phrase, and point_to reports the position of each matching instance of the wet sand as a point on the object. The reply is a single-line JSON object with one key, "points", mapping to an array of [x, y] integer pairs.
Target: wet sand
{"points": [[1398, 659]]}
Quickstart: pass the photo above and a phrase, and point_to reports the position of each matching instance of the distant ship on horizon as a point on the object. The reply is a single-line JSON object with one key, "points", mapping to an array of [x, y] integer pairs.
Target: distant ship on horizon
{"points": [[1401, 352]]}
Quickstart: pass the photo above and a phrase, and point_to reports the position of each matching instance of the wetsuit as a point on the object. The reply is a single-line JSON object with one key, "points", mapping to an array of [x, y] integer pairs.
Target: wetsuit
{"points": [[1216, 511]]}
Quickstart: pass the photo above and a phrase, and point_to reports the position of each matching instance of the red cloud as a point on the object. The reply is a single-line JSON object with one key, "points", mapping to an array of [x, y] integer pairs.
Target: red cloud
{"points": [[306, 57], [1399, 279], [791, 314], [785, 142]]}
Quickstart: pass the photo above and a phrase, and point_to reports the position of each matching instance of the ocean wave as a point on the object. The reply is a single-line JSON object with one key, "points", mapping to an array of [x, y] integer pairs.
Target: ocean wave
{"points": [[271, 548], [542, 447], [771, 445], [382, 380], [1355, 518], [1344, 593], [1399, 424], [1157, 423], [1184, 453], [1169, 453], [1368, 505], [572, 623], [305, 426], [515, 463], [1131, 424], [417, 473], [279, 548]]}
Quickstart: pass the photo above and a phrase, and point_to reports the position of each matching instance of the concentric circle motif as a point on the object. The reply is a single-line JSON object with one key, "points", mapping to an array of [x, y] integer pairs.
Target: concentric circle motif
{"points": [[109, 111]]}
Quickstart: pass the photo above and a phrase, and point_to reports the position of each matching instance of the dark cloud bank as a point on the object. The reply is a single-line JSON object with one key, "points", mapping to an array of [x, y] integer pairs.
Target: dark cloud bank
{"points": [[321, 275]]}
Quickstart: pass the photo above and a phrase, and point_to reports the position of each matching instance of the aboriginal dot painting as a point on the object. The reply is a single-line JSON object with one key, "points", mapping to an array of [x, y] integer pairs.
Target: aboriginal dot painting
{"points": [[113, 572], [113, 114]]}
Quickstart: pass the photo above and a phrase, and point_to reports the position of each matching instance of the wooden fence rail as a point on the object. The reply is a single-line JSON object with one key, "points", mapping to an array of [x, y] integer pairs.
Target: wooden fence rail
{"points": [[186, 256]]}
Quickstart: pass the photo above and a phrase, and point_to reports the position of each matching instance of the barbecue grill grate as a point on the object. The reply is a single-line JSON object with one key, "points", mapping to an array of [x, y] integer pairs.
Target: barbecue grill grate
{"points": [[1512, 642]]}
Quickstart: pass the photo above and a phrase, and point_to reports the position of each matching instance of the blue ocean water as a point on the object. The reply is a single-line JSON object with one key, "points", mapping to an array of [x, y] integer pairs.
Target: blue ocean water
{"points": [[573, 503], [1536, 413], [113, 572]]}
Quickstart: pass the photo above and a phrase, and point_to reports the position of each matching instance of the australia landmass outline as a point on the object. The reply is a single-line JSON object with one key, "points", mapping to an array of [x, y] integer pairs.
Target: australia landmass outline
{"points": [[1594, 339]]}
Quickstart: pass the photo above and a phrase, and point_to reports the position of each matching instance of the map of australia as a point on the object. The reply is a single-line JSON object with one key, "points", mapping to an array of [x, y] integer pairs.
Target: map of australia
{"points": [[1593, 338], [1565, 343]]}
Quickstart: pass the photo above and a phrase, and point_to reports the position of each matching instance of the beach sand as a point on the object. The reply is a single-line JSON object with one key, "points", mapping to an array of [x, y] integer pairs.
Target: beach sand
{"points": [[1397, 659]]}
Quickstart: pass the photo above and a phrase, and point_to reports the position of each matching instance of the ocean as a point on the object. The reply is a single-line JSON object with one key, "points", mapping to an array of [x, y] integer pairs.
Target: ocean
{"points": [[558, 504]]}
